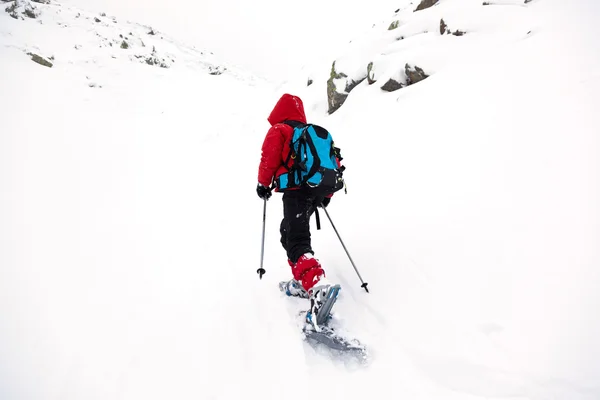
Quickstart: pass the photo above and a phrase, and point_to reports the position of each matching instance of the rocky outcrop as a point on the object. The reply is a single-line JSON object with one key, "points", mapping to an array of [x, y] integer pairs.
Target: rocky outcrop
{"points": [[426, 4], [40, 60], [445, 30], [414, 74], [392, 85], [370, 78], [443, 27], [351, 84], [335, 95], [22, 8], [335, 98], [394, 25]]}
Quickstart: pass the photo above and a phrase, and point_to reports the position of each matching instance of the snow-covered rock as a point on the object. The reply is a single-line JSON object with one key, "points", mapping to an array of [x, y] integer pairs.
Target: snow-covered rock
{"points": [[439, 34], [76, 37], [21, 9]]}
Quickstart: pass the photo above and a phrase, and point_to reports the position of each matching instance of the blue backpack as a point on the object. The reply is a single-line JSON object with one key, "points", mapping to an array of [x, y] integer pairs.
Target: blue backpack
{"points": [[314, 160]]}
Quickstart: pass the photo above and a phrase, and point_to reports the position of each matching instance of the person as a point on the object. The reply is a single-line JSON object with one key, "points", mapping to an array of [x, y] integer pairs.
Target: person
{"points": [[299, 204]]}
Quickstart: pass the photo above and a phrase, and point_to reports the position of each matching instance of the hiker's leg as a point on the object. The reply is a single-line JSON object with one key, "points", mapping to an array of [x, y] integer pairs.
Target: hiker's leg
{"points": [[295, 228]]}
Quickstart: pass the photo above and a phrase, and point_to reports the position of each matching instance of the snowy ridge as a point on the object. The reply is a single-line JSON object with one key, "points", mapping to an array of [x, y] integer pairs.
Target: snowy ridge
{"points": [[69, 37]]}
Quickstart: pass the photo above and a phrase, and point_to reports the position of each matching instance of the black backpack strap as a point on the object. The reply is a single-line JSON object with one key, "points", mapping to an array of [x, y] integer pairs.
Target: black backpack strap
{"points": [[316, 163], [293, 124]]}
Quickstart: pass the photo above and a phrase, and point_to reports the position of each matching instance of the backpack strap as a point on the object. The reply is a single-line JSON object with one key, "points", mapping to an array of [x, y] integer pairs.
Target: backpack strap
{"points": [[316, 165], [294, 170], [293, 123]]}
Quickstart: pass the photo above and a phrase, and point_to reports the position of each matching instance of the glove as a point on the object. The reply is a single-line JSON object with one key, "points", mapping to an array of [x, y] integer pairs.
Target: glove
{"points": [[263, 192], [325, 202]]}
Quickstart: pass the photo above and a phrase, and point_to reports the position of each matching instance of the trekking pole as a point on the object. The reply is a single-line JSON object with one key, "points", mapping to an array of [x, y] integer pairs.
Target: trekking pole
{"points": [[364, 284], [261, 271]]}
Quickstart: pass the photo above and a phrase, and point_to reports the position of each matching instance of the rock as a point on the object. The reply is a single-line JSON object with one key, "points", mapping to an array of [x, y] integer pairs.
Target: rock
{"points": [[443, 27], [309, 82], [22, 7], [352, 84], [218, 70], [370, 78], [124, 45], [528, 1], [41, 1], [98, 20], [414, 74], [335, 99], [392, 85], [40, 60], [31, 12], [12, 10], [394, 25], [426, 4]]}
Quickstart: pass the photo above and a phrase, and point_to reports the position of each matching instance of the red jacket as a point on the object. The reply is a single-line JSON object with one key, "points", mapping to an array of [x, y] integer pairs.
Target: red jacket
{"points": [[276, 146]]}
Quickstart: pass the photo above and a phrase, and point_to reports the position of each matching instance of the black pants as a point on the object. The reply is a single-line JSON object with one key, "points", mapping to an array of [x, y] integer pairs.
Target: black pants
{"points": [[298, 206]]}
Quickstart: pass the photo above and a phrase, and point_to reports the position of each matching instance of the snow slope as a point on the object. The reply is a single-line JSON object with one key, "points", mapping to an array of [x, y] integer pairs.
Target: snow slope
{"points": [[255, 35], [130, 230]]}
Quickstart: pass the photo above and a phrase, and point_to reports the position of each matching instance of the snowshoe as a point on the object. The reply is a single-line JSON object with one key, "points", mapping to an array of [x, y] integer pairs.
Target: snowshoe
{"points": [[293, 288]]}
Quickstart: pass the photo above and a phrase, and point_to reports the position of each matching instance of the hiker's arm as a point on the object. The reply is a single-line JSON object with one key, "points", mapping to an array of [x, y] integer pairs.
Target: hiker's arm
{"points": [[271, 156]]}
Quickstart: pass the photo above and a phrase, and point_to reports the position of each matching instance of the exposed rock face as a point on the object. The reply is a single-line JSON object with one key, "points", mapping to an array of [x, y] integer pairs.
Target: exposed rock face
{"points": [[40, 60], [370, 78], [352, 84], [394, 25], [443, 27], [335, 99], [414, 74], [20, 8], [392, 85], [335, 95], [426, 4]]}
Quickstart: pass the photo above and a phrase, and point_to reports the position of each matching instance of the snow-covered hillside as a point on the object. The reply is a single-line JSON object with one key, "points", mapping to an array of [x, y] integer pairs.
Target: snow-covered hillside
{"points": [[130, 230], [86, 43]]}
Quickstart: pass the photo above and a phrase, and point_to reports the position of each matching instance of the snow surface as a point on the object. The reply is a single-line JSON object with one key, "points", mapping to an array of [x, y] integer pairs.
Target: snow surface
{"points": [[130, 230]]}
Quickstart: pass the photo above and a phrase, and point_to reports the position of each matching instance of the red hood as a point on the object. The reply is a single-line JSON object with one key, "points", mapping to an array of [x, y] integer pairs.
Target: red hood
{"points": [[288, 108]]}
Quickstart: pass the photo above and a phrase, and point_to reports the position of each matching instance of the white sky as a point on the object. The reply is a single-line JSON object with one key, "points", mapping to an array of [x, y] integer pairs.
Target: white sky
{"points": [[263, 36]]}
